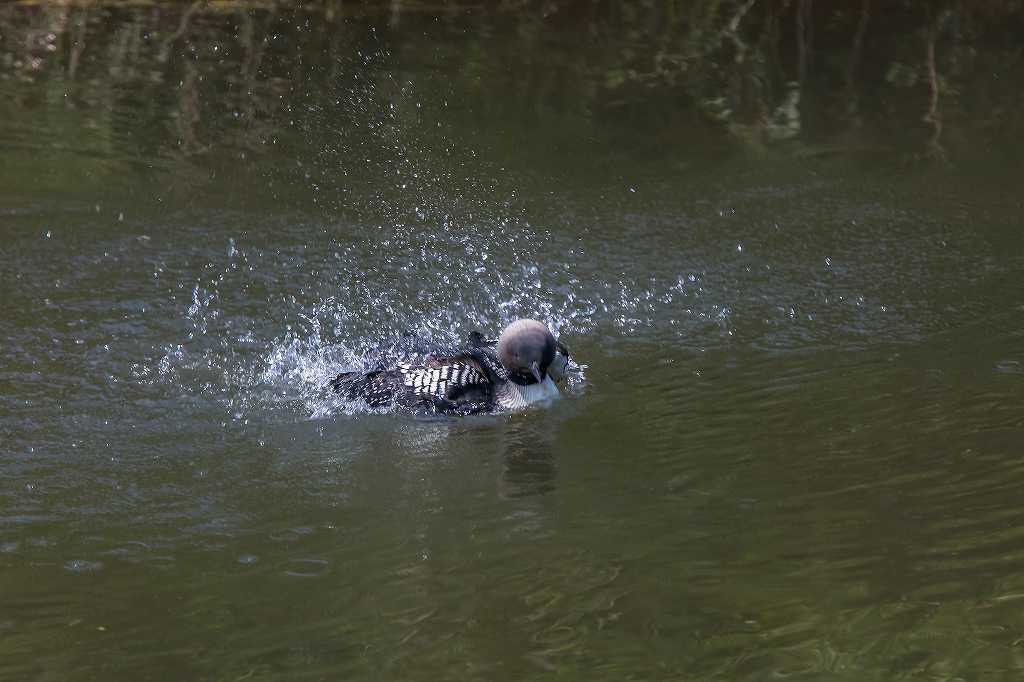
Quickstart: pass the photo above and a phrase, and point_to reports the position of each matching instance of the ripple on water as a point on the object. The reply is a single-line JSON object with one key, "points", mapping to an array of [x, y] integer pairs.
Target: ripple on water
{"points": [[307, 568], [1012, 367], [83, 566]]}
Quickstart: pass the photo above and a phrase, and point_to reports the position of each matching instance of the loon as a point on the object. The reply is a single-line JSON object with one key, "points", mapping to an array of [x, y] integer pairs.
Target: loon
{"points": [[517, 370]]}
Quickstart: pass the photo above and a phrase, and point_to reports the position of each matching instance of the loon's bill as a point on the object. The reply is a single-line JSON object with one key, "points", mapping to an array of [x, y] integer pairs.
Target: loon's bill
{"points": [[517, 370]]}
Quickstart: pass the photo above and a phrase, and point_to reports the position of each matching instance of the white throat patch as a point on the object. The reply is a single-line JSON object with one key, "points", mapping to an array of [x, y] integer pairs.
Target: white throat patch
{"points": [[512, 396]]}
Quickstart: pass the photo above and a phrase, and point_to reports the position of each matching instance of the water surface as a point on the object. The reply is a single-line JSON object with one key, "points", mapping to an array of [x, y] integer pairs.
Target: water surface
{"points": [[792, 448]]}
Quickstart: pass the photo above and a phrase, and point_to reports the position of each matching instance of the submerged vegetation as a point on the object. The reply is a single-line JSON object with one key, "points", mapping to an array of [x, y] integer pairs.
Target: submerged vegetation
{"points": [[924, 80]]}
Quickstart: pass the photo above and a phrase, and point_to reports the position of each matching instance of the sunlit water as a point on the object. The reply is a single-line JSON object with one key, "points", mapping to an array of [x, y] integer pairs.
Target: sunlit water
{"points": [[792, 447]]}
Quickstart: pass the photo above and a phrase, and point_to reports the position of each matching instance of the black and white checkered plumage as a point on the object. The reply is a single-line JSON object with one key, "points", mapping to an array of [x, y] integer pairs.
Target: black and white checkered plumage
{"points": [[435, 379]]}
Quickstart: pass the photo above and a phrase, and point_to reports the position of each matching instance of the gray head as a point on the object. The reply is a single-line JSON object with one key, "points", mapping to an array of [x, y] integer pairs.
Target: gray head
{"points": [[526, 348]]}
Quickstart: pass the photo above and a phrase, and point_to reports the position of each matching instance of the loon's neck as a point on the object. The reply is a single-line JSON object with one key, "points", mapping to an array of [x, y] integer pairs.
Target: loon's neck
{"points": [[514, 396], [520, 380]]}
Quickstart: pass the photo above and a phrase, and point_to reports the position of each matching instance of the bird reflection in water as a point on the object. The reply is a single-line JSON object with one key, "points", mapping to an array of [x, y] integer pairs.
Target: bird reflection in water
{"points": [[527, 452]]}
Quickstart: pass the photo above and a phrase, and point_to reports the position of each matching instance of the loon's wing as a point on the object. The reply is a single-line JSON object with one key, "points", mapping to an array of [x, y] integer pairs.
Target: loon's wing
{"points": [[480, 358], [377, 388], [465, 379]]}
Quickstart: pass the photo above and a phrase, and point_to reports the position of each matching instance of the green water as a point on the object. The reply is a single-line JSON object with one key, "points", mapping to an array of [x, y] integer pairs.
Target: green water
{"points": [[792, 449]]}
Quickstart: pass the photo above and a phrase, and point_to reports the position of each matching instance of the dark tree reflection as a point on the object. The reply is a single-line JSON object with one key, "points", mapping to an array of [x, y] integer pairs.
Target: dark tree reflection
{"points": [[163, 82]]}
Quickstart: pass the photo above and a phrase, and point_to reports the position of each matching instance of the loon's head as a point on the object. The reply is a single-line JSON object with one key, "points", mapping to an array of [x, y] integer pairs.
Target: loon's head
{"points": [[526, 349]]}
